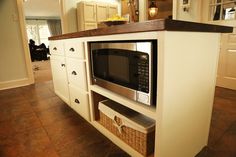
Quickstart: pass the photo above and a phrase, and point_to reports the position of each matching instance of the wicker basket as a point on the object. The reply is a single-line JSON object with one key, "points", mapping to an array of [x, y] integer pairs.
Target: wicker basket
{"points": [[124, 128]]}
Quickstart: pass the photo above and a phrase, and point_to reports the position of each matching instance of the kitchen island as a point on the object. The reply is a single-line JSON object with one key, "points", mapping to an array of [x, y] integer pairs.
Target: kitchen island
{"points": [[187, 57]]}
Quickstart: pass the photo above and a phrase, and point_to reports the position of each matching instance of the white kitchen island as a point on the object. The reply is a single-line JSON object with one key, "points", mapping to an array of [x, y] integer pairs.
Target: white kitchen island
{"points": [[187, 58]]}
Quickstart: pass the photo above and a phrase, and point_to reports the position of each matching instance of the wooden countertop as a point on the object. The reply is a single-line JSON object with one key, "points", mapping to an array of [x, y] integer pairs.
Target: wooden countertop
{"points": [[153, 25]]}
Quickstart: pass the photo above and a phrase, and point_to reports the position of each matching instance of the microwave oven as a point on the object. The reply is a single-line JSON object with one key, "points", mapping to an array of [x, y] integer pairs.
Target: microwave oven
{"points": [[128, 68]]}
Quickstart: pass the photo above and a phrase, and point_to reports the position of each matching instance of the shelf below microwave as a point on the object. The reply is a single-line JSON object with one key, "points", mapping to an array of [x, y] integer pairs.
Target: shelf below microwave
{"points": [[149, 111]]}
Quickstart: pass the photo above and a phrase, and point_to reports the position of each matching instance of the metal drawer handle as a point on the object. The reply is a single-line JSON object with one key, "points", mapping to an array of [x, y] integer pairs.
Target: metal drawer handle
{"points": [[74, 73], [63, 65], [77, 101], [72, 49], [55, 48]]}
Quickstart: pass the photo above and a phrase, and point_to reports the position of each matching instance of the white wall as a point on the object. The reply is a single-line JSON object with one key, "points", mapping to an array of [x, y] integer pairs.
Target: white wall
{"points": [[12, 59], [194, 13], [70, 17], [42, 8]]}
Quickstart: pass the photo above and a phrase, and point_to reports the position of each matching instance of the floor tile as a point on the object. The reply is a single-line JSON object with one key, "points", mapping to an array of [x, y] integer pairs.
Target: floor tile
{"points": [[34, 143], [55, 114], [21, 123], [44, 104], [10, 111]]}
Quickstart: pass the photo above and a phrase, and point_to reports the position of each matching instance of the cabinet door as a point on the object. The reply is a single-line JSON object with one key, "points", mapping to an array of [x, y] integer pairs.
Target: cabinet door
{"points": [[227, 62], [76, 70], [102, 12], [88, 26], [79, 102], [90, 12], [59, 76], [112, 10]]}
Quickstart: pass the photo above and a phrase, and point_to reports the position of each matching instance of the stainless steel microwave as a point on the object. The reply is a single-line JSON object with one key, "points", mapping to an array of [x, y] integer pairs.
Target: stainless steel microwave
{"points": [[128, 68]]}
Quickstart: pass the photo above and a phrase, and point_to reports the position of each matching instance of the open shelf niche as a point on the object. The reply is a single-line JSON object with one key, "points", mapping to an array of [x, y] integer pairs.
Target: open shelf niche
{"points": [[97, 97]]}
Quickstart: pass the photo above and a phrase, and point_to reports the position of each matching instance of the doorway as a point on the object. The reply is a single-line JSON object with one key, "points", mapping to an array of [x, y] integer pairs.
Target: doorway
{"points": [[42, 20]]}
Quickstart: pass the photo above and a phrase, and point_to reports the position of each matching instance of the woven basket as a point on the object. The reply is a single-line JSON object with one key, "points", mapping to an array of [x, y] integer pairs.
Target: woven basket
{"points": [[141, 142]]}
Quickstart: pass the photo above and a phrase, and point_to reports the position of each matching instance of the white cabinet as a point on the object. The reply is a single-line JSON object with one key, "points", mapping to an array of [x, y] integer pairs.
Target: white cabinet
{"points": [[56, 48], [69, 74], [74, 48], [79, 101], [89, 14], [60, 77], [76, 71]]}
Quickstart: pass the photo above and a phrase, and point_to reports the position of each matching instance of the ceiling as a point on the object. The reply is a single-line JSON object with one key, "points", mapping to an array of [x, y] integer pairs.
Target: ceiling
{"points": [[42, 8]]}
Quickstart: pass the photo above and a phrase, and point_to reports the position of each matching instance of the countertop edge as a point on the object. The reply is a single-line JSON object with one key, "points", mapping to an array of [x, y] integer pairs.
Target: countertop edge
{"points": [[146, 26]]}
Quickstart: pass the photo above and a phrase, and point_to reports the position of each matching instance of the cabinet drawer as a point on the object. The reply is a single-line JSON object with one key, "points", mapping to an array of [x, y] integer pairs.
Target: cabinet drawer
{"points": [[56, 47], [88, 26], [79, 102], [76, 70], [74, 48]]}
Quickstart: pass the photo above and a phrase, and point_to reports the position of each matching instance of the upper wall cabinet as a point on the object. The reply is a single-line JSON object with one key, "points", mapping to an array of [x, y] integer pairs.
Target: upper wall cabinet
{"points": [[101, 12], [89, 14], [112, 10]]}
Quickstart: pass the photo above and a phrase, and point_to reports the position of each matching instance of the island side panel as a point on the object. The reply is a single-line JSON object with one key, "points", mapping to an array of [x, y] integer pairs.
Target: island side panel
{"points": [[186, 85]]}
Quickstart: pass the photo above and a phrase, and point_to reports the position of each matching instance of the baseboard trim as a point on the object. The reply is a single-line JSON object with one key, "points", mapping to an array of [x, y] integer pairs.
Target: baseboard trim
{"points": [[226, 82], [15, 83]]}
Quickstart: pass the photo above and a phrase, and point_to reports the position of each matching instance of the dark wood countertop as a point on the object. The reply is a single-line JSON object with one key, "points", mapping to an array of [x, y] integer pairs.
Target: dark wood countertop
{"points": [[153, 25]]}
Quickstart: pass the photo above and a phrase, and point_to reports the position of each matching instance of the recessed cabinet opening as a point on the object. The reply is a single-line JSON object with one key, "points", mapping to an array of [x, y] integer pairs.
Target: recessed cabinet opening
{"points": [[133, 128]]}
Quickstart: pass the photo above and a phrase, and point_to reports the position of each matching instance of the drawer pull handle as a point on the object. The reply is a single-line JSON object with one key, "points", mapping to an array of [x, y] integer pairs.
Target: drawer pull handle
{"points": [[72, 49], [74, 73], [77, 101], [54, 48], [63, 65]]}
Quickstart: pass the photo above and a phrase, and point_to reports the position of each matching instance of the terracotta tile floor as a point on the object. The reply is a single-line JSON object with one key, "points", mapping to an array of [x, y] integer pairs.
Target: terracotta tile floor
{"points": [[34, 122], [222, 138]]}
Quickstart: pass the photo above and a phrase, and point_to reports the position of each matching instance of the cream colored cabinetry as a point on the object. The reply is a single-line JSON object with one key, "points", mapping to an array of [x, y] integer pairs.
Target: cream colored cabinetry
{"points": [[185, 92], [102, 13], [76, 72], [89, 11], [112, 10], [59, 73], [89, 14], [69, 74], [185, 89], [227, 62], [86, 16]]}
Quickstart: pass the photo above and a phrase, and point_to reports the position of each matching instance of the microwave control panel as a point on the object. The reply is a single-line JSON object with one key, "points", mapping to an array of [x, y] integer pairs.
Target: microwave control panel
{"points": [[143, 73]]}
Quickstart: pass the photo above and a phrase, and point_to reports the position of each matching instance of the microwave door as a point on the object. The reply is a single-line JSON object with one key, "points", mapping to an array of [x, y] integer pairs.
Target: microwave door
{"points": [[116, 66]]}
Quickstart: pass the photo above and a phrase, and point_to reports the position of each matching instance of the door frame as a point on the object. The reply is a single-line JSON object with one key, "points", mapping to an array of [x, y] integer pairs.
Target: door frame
{"points": [[22, 23]]}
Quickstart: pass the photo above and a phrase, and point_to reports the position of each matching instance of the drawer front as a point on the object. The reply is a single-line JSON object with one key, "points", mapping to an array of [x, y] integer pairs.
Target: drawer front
{"points": [[56, 47], [74, 48], [76, 70], [79, 102]]}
